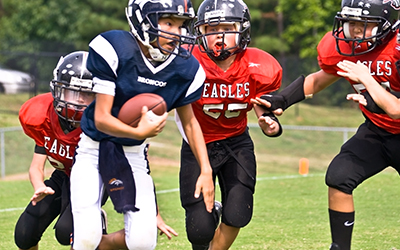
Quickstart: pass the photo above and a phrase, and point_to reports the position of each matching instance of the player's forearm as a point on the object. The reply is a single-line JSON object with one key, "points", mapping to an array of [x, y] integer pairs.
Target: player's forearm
{"points": [[198, 146], [36, 170], [384, 99], [36, 177], [317, 81]]}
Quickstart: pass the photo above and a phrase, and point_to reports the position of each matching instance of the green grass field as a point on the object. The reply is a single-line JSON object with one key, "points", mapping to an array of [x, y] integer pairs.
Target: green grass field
{"points": [[290, 211]]}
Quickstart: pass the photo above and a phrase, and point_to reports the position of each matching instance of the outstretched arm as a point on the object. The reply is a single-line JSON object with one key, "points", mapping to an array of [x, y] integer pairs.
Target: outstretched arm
{"points": [[36, 176], [195, 138], [298, 90]]}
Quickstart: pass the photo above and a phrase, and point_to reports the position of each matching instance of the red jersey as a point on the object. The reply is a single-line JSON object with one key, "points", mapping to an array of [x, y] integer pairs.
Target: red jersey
{"points": [[381, 63], [40, 122], [225, 101]]}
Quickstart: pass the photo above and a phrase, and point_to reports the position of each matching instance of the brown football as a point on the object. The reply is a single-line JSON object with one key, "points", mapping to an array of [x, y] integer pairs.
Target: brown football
{"points": [[131, 111]]}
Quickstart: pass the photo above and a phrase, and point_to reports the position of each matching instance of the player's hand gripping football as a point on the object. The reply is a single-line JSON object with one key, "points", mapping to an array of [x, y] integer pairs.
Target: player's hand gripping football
{"points": [[150, 126], [40, 193]]}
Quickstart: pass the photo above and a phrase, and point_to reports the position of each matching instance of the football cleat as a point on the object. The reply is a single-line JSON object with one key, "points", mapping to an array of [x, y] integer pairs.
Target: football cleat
{"points": [[104, 221], [218, 212], [334, 246]]}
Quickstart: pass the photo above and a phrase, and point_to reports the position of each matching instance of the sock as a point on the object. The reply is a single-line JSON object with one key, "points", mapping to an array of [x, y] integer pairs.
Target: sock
{"points": [[341, 228]]}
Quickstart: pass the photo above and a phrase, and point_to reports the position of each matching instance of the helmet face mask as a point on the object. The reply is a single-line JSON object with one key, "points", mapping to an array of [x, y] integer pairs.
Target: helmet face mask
{"points": [[72, 87], [382, 14], [215, 12], [143, 18]]}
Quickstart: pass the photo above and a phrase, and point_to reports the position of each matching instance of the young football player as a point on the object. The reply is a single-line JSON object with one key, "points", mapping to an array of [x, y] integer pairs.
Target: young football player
{"points": [[52, 120], [234, 75], [149, 59], [364, 31]]}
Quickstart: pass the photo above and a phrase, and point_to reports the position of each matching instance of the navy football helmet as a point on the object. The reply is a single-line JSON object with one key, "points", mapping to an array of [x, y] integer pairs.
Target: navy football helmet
{"points": [[143, 16], [384, 13], [215, 12], [72, 87]]}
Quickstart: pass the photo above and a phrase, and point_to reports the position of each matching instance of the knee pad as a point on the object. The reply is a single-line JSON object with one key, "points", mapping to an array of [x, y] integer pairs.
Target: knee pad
{"points": [[146, 242], [140, 230], [339, 177], [140, 245], [200, 224], [238, 208], [63, 229], [26, 232]]}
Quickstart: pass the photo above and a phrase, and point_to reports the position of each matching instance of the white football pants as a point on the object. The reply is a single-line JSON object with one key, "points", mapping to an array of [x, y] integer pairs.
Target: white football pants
{"points": [[86, 190]]}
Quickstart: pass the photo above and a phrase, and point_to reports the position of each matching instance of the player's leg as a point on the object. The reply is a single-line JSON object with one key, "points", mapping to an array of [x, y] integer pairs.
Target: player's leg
{"points": [[361, 157], [224, 237], [200, 225], [141, 226], [86, 190], [237, 182], [35, 219], [115, 240], [64, 225]]}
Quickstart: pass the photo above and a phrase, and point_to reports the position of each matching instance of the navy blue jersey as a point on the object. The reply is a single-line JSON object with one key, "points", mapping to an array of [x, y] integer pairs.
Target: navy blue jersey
{"points": [[120, 69]]}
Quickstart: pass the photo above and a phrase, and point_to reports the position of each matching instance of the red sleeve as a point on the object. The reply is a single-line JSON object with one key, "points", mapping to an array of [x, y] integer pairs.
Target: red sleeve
{"points": [[34, 115], [328, 57]]}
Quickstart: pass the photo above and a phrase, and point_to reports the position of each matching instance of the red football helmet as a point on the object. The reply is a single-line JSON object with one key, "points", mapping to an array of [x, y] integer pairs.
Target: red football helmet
{"points": [[72, 87]]}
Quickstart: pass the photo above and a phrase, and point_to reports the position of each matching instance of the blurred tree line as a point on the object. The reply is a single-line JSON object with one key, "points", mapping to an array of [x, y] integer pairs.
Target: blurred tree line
{"points": [[35, 33]]}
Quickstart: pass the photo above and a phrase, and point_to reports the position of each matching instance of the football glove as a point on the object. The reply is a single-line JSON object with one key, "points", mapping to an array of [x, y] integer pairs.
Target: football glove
{"points": [[290, 95]]}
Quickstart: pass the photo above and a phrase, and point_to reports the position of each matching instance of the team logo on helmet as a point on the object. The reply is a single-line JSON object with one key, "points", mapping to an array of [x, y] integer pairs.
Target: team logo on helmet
{"points": [[394, 3]]}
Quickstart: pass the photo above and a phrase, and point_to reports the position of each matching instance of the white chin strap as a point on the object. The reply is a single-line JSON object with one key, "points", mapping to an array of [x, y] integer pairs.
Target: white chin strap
{"points": [[156, 54]]}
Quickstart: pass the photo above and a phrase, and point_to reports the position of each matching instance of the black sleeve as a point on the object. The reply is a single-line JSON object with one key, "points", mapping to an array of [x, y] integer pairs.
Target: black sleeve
{"points": [[290, 95], [40, 150]]}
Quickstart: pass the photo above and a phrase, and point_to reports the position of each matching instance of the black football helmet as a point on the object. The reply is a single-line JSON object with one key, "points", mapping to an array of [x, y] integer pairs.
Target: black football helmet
{"points": [[215, 12], [143, 18], [385, 13], [72, 87]]}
